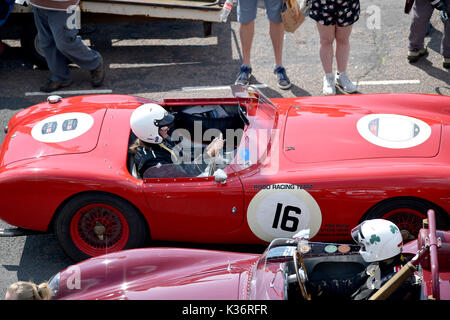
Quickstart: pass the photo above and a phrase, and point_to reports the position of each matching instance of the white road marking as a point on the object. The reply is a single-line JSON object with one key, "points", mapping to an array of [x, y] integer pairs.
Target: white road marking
{"points": [[386, 82], [77, 92], [261, 85], [190, 42], [147, 65]]}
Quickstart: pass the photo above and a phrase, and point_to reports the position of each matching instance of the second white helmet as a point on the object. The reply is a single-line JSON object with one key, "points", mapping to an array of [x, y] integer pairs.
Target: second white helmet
{"points": [[381, 239], [146, 120]]}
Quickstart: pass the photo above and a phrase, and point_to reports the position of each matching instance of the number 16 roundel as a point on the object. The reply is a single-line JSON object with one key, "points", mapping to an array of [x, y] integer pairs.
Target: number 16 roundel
{"points": [[281, 210]]}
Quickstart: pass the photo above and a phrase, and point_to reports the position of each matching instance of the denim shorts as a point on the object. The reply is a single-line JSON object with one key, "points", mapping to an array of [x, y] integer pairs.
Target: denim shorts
{"points": [[246, 10]]}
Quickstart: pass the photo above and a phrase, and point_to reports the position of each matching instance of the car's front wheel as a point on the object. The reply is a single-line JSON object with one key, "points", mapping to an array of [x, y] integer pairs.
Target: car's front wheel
{"points": [[93, 224]]}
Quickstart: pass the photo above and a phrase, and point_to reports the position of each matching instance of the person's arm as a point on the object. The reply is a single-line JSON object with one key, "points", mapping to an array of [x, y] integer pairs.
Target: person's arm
{"points": [[144, 159], [215, 146]]}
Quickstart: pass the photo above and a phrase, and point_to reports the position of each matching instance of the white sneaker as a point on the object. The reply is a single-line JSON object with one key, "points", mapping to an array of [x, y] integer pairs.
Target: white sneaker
{"points": [[345, 83], [329, 86]]}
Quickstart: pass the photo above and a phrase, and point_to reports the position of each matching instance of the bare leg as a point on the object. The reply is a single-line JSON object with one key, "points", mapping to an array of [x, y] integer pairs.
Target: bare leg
{"points": [[246, 32], [327, 35], [277, 37], [342, 47]]}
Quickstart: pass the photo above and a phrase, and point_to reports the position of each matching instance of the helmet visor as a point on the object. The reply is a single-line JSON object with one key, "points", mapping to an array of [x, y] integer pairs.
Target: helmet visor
{"points": [[357, 234], [166, 121]]}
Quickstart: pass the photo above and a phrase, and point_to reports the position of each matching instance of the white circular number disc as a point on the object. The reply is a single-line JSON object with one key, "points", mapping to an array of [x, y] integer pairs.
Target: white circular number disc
{"points": [[282, 210], [393, 131], [62, 127]]}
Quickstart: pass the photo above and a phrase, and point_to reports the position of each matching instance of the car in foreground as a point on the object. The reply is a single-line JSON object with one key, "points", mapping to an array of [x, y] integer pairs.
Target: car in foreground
{"points": [[282, 272], [323, 163]]}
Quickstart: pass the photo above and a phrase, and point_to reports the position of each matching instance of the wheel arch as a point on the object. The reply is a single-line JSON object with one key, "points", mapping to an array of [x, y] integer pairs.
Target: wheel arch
{"points": [[386, 202], [51, 225]]}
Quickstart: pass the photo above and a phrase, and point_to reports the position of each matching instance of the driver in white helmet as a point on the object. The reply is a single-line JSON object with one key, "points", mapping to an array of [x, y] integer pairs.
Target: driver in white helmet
{"points": [[151, 124], [381, 246]]}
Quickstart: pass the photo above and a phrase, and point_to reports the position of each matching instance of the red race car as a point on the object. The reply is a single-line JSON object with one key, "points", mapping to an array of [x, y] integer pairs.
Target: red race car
{"points": [[323, 163], [285, 270]]}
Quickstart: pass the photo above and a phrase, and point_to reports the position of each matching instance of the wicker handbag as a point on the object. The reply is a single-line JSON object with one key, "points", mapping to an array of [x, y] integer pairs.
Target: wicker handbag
{"points": [[291, 15]]}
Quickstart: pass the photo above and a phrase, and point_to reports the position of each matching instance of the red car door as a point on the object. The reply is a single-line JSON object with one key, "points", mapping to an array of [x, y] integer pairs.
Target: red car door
{"points": [[194, 208]]}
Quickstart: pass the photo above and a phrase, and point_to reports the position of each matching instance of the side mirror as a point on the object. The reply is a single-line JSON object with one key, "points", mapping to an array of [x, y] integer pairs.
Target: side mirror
{"points": [[220, 176]]}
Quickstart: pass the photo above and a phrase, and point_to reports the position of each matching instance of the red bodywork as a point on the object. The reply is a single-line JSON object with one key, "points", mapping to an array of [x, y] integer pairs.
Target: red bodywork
{"points": [[159, 274], [194, 274], [319, 149]]}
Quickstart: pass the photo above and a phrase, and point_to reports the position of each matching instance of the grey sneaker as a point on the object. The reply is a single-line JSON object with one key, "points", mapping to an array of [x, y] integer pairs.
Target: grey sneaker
{"points": [[414, 55], [329, 84], [282, 78], [244, 75], [344, 82]]}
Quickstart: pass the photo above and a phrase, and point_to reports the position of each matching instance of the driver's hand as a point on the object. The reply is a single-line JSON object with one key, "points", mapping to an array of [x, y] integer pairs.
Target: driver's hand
{"points": [[163, 132], [215, 146]]}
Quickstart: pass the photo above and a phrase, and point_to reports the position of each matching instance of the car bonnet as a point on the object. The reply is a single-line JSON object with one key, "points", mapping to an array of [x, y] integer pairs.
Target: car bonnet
{"points": [[44, 130]]}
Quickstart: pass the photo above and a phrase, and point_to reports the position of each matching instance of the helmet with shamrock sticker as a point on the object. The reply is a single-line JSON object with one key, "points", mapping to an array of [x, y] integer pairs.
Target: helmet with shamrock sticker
{"points": [[380, 239]]}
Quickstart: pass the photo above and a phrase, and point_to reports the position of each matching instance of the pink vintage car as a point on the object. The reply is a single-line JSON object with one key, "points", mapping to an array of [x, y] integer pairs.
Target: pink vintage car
{"points": [[281, 272]]}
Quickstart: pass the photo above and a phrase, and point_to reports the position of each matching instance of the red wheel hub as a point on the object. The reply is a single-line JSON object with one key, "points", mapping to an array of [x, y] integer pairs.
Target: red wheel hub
{"points": [[406, 219], [98, 229]]}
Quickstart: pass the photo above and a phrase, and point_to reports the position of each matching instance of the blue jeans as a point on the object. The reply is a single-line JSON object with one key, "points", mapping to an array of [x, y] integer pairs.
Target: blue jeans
{"points": [[58, 43]]}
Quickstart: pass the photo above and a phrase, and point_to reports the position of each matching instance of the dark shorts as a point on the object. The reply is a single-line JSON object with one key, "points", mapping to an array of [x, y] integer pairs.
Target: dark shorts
{"points": [[335, 12]]}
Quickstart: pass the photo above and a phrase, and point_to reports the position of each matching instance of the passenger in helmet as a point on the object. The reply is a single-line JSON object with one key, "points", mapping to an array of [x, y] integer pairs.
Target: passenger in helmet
{"points": [[381, 246], [151, 124]]}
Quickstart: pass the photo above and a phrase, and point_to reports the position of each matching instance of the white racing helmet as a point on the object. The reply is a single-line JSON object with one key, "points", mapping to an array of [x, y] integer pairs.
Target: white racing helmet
{"points": [[146, 120], [381, 239]]}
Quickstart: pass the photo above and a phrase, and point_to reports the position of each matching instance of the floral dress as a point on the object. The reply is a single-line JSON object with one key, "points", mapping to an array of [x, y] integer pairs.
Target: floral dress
{"points": [[335, 12]]}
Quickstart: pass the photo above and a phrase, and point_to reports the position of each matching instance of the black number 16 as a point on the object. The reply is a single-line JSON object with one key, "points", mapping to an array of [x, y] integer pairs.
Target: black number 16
{"points": [[286, 217]]}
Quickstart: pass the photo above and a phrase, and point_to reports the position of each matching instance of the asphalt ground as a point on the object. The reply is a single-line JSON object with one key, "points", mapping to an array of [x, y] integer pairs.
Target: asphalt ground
{"points": [[172, 59]]}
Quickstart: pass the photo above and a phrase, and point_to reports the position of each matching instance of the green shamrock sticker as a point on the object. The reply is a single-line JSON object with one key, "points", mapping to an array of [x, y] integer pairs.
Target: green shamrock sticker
{"points": [[394, 229], [374, 239]]}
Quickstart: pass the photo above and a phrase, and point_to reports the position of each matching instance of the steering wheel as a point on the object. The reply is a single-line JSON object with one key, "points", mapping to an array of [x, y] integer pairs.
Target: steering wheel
{"points": [[299, 265]]}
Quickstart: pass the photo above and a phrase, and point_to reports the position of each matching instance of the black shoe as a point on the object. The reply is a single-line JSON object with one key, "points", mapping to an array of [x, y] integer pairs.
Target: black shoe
{"points": [[55, 85], [414, 55], [446, 63], [98, 75]]}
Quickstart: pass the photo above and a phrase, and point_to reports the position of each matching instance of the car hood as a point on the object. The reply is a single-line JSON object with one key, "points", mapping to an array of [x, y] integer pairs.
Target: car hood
{"points": [[68, 127], [378, 127], [156, 273]]}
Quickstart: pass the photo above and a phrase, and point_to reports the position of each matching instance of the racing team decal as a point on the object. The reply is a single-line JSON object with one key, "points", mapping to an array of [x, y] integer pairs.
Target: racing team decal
{"points": [[62, 127], [281, 211], [393, 131]]}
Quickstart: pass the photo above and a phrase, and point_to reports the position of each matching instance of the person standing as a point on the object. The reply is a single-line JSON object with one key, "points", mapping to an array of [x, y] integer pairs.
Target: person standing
{"points": [[246, 15], [59, 41], [334, 20], [422, 12]]}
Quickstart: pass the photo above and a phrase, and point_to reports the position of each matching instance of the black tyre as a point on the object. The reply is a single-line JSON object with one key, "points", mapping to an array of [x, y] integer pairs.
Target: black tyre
{"points": [[93, 224], [408, 215]]}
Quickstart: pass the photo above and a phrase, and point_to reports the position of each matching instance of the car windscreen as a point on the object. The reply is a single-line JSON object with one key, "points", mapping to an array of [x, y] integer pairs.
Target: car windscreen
{"points": [[261, 133]]}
